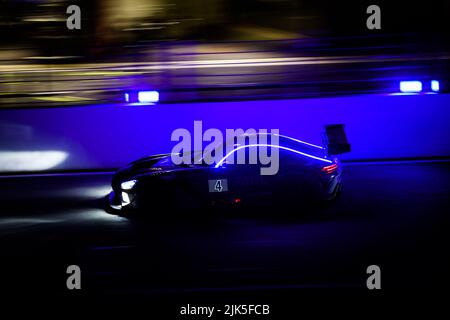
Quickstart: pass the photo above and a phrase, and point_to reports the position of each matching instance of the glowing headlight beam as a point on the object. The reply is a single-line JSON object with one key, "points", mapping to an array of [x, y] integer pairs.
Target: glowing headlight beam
{"points": [[31, 160]]}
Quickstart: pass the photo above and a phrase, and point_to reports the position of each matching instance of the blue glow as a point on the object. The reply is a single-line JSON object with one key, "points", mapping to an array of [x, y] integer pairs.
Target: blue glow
{"points": [[289, 138], [127, 97], [271, 146], [293, 139], [410, 86], [435, 85], [148, 96]]}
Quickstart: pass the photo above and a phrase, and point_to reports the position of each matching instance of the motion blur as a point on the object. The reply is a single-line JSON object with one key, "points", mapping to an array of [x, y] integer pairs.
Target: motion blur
{"points": [[214, 50]]}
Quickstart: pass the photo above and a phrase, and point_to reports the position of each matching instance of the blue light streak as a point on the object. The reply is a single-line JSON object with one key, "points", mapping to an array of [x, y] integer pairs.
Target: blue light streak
{"points": [[148, 96], [410, 86], [435, 87]]}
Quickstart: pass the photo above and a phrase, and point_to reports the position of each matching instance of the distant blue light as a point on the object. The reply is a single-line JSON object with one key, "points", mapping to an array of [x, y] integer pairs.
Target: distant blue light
{"points": [[435, 85], [127, 97], [410, 86], [148, 96]]}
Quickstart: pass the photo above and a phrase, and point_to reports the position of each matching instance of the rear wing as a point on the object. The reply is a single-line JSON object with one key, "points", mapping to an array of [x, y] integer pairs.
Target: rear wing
{"points": [[335, 139]]}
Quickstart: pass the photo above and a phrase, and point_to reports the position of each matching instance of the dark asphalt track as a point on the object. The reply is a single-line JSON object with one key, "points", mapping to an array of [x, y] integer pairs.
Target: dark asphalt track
{"points": [[394, 215]]}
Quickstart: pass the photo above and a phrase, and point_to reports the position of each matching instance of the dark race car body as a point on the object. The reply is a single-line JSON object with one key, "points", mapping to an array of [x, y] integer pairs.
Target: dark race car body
{"points": [[305, 175]]}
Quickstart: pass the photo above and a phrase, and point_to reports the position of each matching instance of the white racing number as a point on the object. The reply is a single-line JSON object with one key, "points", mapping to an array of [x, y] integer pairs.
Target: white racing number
{"points": [[218, 185]]}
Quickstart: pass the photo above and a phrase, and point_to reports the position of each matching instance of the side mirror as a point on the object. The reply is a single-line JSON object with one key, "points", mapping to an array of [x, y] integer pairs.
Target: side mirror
{"points": [[335, 139]]}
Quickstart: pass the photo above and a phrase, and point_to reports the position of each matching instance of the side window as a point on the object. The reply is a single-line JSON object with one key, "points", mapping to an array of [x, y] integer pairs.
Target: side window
{"points": [[243, 155], [289, 158]]}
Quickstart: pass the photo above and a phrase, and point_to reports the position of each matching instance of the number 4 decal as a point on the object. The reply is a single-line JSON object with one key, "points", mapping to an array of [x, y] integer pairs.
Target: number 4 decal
{"points": [[218, 186]]}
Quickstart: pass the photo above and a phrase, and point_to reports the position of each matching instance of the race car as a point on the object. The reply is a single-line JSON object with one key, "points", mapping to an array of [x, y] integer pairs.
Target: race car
{"points": [[307, 173]]}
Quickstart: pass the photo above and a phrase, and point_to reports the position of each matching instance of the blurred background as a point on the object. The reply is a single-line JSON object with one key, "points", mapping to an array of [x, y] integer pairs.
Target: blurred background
{"points": [[214, 49], [292, 65]]}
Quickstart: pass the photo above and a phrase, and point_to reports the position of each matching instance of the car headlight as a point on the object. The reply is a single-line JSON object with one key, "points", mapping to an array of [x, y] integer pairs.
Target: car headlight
{"points": [[125, 199], [128, 185]]}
